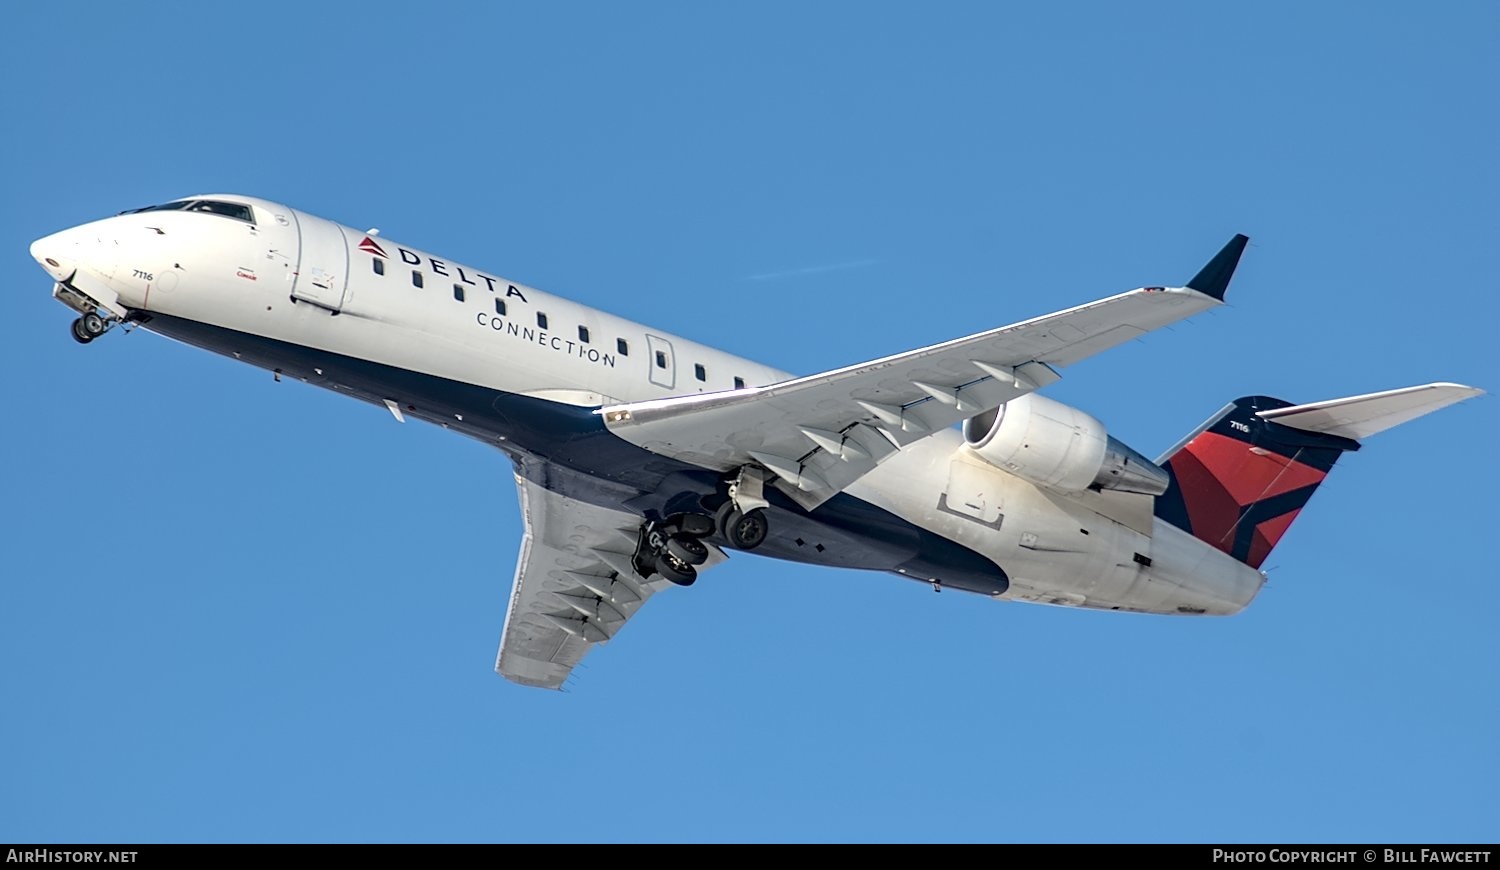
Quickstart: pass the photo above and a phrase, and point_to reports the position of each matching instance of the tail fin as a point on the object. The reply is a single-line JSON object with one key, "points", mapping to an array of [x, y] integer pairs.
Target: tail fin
{"points": [[1240, 480]]}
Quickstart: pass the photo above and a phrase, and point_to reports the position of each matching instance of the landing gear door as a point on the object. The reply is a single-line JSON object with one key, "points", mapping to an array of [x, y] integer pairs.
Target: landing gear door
{"points": [[323, 268], [663, 363]]}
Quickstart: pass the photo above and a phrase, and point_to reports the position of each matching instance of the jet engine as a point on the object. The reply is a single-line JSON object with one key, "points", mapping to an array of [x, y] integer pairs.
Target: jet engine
{"points": [[1051, 444]]}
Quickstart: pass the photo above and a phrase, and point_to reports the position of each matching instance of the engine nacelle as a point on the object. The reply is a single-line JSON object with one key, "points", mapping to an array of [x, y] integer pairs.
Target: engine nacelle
{"points": [[1052, 444]]}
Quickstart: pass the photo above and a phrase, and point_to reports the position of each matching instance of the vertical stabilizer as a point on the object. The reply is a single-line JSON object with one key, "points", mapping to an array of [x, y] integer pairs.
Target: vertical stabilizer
{"points": [[1240, 480]]}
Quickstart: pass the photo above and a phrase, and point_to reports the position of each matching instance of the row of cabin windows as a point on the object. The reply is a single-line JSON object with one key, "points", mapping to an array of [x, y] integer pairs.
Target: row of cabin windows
{"points": [[621, 345]]}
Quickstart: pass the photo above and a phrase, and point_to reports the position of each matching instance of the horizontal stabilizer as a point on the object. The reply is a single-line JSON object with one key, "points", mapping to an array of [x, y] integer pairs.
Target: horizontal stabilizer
{"points": [[1359, 417]]}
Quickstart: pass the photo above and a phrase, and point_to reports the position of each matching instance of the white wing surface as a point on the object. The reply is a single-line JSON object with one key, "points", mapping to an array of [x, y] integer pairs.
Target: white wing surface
{"points": [[1359, 417], [819, 434], [575, 586]]}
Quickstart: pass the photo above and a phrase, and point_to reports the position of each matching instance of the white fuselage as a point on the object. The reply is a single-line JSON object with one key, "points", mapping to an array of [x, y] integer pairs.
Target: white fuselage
{"points": [[305, 282]]}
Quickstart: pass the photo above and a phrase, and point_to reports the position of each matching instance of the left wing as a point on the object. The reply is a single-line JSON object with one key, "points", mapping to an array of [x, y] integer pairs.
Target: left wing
{"points": [[819, 434], [575, 586]]}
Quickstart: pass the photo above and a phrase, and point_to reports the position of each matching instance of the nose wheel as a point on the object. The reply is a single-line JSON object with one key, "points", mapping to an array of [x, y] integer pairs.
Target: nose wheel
{"points": [[89, 327]]}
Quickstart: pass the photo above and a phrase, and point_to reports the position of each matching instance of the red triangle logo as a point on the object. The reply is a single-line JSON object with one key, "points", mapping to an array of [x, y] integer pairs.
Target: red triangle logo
{"points": [[370, 247]]}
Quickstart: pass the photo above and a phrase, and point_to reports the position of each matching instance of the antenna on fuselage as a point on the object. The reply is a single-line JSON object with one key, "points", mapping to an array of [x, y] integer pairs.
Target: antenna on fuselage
{"points": [[372, 232]]}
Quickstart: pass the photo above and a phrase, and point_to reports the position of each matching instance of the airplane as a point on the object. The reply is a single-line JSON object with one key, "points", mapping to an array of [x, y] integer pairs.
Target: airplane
{"points": [[643, 459]]}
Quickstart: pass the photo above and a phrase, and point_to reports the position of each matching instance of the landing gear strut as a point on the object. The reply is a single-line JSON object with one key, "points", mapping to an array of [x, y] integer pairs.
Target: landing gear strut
{"points": [[742, 520], [89, 327], [674, 548]]}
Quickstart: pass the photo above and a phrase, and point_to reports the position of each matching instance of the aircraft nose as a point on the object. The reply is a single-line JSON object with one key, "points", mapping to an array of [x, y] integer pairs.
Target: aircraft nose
{"points": [[57, 253]]}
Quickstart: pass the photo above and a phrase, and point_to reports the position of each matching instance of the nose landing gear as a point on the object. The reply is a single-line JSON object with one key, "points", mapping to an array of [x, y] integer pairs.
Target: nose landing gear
{"points": [[93, 319], [90, 326]]}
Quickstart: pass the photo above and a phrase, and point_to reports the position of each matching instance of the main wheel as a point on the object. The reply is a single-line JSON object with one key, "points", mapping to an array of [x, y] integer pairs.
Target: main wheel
{"points": [[689, 551], [78, 334], [678, 572], [92, 325], [746, 531]]}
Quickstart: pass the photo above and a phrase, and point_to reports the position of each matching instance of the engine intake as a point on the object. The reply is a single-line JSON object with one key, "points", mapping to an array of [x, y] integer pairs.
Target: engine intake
{"points": [[1052, 444]]}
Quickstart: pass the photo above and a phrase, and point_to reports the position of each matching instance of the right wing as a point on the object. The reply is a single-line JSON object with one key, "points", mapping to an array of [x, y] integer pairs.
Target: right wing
{"points": [[820, 433]]}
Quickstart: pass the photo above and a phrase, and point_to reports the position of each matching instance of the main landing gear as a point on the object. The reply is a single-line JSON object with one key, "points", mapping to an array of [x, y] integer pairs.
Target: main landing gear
{"points": [[743, 530], [89, 327], [742, 520], [674, 548]]}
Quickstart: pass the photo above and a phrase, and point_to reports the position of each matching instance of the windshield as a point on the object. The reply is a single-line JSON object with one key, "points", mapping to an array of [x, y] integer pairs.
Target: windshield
{"points": [[211, 206], [166, 206]]}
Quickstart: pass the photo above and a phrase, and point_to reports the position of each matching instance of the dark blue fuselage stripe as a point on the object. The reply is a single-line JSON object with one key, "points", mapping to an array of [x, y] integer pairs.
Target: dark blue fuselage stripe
{"points": [[567, 449]]}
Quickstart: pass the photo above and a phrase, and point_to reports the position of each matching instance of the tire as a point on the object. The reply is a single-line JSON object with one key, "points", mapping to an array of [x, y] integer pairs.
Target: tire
{"points": [[677, 572], [92, 325], [689, 551], [78, 334], [746, 531]]}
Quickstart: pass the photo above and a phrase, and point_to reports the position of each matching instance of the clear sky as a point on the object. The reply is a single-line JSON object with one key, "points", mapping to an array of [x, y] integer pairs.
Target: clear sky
{"points": [[239, 610]]}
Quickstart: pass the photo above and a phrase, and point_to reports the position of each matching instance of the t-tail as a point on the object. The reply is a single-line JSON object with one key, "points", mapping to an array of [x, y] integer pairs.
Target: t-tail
{"points": [[1240, 480]]}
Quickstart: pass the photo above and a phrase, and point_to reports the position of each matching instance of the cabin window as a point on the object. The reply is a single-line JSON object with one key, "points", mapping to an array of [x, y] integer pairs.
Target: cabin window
{"points": [[622, 346], [416, 279], [541, 320], [583, 334], [458, 292], [739, 383], [378, 265], [661, 359], [700, 372], [499, 306]]}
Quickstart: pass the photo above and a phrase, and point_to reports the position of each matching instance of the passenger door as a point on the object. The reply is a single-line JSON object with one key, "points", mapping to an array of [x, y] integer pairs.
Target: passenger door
{"points": [[323, 263]]}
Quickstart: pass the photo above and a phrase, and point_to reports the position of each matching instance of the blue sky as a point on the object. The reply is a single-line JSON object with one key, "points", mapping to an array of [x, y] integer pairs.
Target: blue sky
{"points": [[237, 610]]}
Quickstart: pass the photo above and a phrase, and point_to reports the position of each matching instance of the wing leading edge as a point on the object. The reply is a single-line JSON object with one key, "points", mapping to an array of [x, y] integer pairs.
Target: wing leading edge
{"points": [[818, 434]]}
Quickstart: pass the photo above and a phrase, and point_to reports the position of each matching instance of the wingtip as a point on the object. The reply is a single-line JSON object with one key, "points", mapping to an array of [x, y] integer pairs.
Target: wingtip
{"points": [[1462, 388], [1213, 279]]}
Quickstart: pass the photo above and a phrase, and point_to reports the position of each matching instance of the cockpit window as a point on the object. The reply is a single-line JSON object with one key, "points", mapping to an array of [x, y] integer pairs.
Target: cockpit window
{"points": [[227, 209], [212, 206], [179, 205]]}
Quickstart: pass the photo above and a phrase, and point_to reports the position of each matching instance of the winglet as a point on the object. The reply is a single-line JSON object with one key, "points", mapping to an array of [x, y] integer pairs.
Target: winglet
{"points": [[1213, 279]]}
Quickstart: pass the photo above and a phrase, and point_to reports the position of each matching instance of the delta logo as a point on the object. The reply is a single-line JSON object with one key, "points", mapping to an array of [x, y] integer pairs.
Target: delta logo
{"points": [[369, 246]]}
